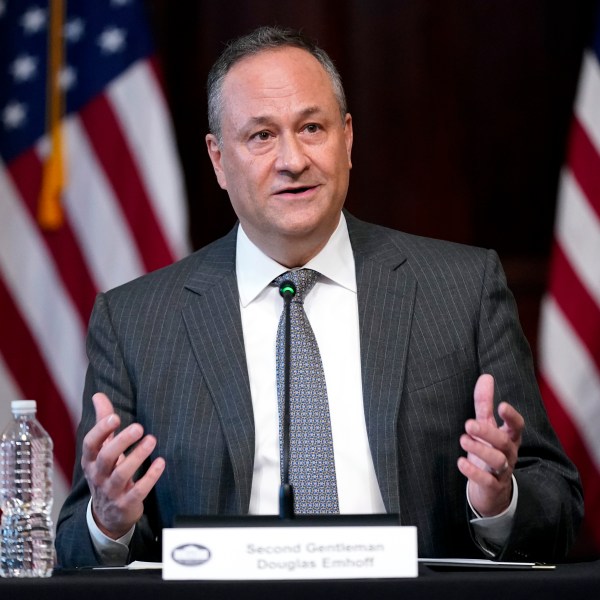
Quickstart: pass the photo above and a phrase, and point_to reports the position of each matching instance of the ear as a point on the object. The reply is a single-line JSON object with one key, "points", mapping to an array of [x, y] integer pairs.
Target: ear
{"points": [[214, 152], [349, 137]]}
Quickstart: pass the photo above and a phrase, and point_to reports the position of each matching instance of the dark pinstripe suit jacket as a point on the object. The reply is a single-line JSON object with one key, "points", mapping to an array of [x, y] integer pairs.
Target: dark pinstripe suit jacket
{"points": [[168, 350]]}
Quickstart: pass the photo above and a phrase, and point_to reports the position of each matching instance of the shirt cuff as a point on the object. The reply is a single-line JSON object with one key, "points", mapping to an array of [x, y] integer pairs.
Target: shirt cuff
{"points": [[491, 533], [111, 552]]}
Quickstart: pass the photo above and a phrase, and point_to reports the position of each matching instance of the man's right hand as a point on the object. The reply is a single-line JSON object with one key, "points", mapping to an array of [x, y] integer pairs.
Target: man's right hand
{"points": [[117, 500]]}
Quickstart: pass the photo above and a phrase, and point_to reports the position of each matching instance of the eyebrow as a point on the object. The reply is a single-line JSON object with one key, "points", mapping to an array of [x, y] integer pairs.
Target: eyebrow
{"points": [[266, 119]]}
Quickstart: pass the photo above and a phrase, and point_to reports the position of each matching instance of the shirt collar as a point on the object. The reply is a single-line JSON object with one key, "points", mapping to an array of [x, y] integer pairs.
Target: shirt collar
{"points": [[255, 270]]}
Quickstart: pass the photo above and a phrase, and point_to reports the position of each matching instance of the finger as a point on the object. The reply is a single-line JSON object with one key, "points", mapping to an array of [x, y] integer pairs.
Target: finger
{"points": [[111, 451], [97, 436], [484, 398], [102, 405], [514, 423], [123, 473], [488, 458], [477, 475], [144, 485], [490, 435]]}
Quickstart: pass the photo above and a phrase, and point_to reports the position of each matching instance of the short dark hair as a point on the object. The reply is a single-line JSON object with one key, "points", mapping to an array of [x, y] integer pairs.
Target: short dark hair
{"points": [[261, 40]]}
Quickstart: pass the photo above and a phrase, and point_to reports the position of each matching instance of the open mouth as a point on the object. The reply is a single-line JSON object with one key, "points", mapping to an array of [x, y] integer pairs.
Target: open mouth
{"points": [[296, 191]]}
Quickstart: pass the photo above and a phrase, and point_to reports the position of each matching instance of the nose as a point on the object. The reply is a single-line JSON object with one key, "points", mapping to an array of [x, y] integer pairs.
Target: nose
{"points": [[291, 155]]}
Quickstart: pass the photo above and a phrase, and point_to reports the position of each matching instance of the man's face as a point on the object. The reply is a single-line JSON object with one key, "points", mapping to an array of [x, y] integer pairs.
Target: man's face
{"points": [[284, 158]]}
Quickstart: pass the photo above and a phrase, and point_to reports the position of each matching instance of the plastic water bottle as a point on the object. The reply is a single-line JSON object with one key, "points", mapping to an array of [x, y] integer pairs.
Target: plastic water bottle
{"points": [[26, 532]]}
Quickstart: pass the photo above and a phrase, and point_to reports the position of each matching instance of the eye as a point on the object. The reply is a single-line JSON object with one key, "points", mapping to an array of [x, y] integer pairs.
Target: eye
{"points": [[312, 128], [261, 136]]}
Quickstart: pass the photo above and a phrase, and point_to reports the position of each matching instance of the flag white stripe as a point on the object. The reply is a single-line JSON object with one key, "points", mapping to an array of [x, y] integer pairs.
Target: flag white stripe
{"points": [[96, 216], [34, 283], [9, 390], [587, 106], [571, 373], [139, 104], [61, 488], [578, 232]]}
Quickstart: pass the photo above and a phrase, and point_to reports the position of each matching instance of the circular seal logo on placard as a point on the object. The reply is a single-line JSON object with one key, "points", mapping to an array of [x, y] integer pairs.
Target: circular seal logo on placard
{"points": [[191, 555]]}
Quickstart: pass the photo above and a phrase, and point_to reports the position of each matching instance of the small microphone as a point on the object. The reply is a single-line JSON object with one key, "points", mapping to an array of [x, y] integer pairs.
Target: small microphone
{"points": [[287, 289]]}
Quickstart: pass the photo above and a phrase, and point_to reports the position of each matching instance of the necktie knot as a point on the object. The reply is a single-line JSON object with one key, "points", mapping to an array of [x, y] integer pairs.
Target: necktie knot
{"points": [[303, 279]]}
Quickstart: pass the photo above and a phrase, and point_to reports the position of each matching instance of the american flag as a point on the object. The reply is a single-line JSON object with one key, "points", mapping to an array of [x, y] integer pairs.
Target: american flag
{"points": [[91, 192], [570, 322]]}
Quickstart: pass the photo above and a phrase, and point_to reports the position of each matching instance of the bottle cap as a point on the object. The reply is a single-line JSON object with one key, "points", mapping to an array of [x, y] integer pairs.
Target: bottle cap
{"points": [[23, 407]]}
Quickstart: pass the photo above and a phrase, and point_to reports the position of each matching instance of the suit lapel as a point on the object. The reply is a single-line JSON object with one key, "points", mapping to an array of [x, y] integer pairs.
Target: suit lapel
{"points": [[212, 317], [386, 293]]}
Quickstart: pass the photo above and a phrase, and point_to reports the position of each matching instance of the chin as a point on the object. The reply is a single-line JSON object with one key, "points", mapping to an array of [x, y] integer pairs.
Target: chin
{"points": [[306, 220], [300, 228]]}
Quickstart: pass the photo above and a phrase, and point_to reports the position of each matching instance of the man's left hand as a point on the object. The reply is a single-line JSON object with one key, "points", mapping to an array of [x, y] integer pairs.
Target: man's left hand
{"points": [[492, 451]]}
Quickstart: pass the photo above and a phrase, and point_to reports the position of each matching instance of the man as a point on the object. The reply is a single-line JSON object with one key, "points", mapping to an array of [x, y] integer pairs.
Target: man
{"points": [[417, 337]]}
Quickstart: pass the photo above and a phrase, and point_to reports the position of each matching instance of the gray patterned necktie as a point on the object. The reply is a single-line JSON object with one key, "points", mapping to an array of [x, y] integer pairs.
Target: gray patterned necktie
{"points": [[312, 468]]}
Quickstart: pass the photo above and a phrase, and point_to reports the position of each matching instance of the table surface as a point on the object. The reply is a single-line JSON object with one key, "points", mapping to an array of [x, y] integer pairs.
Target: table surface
{"points": [[575, 580]]}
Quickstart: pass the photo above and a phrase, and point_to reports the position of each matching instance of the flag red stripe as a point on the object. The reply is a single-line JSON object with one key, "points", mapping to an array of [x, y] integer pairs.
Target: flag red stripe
{"points": [[575, 448], [113, 153], [576, 303], [23, 359], [26, 172], [584, 161]]}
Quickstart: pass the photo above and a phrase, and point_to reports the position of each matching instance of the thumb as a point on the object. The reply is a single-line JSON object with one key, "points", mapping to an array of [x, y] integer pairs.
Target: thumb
{"points": [[484, 398], [102, 406]]}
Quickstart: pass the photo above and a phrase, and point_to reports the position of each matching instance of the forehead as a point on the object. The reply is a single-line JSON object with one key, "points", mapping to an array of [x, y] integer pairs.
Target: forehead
{"points": [[277, 77]]}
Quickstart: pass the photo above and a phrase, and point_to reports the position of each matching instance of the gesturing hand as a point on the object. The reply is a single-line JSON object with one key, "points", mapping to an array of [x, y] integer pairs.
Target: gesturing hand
{"points": [[117, 500], [492, 451]]}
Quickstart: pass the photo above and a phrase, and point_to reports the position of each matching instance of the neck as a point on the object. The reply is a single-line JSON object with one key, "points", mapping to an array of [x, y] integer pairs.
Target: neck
{"points": [[294, 255], [292, 251]]}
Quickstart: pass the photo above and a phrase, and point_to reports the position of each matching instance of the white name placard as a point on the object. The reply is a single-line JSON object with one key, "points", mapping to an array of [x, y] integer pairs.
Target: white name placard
{"points": [[327, 552]]}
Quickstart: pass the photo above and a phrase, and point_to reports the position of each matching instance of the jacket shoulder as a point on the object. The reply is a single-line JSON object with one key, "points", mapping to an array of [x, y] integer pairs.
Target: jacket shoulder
{"points": [[422, 255], [216, 258]]}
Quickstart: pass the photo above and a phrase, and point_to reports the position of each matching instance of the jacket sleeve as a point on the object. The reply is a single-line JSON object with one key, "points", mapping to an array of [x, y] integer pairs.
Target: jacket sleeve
{"points": [[550, 503], [106, 373]]}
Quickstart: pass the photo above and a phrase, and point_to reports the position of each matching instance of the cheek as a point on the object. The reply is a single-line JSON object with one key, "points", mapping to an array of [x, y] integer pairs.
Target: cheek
{"points": [[244, 191], [249, 182], [339, 170], [254, 178]]}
